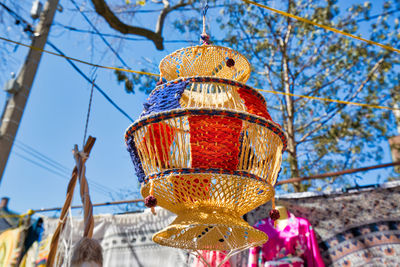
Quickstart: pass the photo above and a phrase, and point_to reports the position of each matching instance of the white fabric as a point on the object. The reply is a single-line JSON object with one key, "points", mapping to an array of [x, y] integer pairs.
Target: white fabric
{"points": [[125, 239]]}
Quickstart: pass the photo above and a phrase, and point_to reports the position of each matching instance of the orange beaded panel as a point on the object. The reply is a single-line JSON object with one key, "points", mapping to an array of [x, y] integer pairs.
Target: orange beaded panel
{"points": [[253, 103], [214, 142]]}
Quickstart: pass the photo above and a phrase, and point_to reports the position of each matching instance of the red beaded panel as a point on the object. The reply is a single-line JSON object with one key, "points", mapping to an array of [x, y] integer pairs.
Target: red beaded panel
{"points": [[159, 138], [214, 142], [254, 104]]}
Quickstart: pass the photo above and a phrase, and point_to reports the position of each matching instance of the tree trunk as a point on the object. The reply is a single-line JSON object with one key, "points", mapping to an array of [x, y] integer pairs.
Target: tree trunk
{"points": [[291, 145]]}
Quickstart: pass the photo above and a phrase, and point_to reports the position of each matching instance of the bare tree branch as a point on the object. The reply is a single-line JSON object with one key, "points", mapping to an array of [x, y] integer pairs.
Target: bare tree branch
{"points": [[104, 10], [333, 113], [165, 11]]}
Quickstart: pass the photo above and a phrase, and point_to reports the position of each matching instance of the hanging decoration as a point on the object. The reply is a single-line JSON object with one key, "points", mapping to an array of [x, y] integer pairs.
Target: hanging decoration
{"points": [[206, 148]]}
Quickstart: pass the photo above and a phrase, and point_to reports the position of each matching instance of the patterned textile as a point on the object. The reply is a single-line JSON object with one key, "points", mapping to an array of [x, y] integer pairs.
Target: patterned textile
{"points": [[30, 256], [293, 246], [37, 254], [356, 228], [125, 239], [10, 246]]}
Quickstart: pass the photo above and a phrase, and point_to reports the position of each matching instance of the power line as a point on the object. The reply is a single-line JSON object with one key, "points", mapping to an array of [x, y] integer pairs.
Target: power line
{"points": [[60, 53], [159, 10], [61, 175], [387, 47], [64, 175], [69, 59], [74, 29], [378, 15], [95, 205], [43, 158], [89, 81], [49, 161], [28, 149], [29, 29], [70, 28], [42, 166], [100, 35]]}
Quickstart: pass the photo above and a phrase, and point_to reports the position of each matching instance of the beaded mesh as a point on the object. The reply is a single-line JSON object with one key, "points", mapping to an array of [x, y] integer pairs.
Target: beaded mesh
{"points": [[206, 147]]}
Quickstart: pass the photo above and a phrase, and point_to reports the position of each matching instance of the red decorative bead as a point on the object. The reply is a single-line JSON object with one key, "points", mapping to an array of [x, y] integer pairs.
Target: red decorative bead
{"points": [[274, 214], [230, 62], [205, 37], [150, 201]]}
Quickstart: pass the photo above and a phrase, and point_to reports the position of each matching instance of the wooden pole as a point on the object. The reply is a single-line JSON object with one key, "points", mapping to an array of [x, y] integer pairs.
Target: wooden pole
{"points": [[63, 216], [16, 104]]}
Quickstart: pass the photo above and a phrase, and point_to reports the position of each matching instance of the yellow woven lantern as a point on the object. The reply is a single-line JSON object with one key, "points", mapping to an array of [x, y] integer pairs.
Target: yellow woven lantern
{"points": [[206, 149]]}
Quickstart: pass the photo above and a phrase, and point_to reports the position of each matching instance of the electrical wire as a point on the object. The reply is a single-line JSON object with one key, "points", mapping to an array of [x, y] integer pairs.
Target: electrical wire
{"points": [[52, 165], [100, 35], [126, 38], [69, 59], [63, 174], [60, 169], [88, 80], [159, 10], [387, 47], [70, 28], [47, 160], [329, 100], [61, 54], [97, 187]]}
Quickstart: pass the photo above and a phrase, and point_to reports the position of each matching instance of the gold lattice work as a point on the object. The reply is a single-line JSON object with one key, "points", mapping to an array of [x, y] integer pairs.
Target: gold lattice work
{"points": [[207, 149], [206, 60]]}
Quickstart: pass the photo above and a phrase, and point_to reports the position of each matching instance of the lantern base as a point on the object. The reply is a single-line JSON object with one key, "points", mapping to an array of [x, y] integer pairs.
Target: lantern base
{"points": [[206, 229]]}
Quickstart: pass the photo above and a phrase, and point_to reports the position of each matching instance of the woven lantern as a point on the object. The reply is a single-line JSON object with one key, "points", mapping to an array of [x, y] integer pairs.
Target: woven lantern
{"points": [[206, 149]]}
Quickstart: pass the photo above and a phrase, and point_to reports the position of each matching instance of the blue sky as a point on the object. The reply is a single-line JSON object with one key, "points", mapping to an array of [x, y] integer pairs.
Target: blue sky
{"points": [[54, 118]]}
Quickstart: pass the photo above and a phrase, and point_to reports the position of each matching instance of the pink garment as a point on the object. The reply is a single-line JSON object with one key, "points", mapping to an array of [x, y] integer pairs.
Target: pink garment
{"points": [[212, 257], [295, 245]]}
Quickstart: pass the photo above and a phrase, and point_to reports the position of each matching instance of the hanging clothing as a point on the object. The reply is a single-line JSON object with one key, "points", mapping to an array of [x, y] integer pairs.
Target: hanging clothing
{"points": [[32, 235], [294, 245], [37, 254], [356, 228], [10, 246]]}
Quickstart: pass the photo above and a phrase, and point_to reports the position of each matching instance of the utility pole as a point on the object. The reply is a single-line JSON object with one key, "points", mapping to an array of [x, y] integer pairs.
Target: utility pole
{"points": [[16, 103]]}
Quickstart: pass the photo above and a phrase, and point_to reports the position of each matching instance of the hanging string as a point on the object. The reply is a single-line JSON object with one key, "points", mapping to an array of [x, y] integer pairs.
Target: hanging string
{"points": [[88, 112], [205, 38]]}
